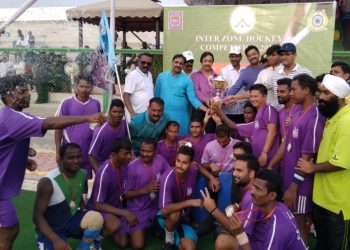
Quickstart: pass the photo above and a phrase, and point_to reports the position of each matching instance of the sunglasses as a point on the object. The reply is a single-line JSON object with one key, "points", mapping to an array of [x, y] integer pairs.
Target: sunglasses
{"points": [[146, 63]]}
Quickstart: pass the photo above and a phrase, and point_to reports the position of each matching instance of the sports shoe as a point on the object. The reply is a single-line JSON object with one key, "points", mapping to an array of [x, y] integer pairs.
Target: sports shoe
{"points": [[169, 246]]}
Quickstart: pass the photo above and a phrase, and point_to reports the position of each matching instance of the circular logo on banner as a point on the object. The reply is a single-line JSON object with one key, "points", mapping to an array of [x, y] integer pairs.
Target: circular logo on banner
{"points": [[243, 20], [317, 21]]}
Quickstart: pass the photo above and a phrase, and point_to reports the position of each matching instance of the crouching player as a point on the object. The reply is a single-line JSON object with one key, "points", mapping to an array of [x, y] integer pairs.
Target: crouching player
{"points": [[175, 200], [58, 210]]}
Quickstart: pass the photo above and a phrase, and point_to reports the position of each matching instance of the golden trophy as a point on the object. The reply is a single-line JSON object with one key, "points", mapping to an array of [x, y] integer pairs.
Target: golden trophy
{"points": [[220, 86]]}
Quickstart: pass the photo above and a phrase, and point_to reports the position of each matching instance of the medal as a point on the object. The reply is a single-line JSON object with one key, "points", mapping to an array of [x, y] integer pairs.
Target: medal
{"points": [[121, 198], [289, 147], [152, 195], [72, 204]]}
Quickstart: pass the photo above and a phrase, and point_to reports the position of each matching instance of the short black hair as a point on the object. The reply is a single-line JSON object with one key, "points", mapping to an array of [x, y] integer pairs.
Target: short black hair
{"points": [[197, 118], [222, 130], [319, 78], [9, 83], [65, 147], [150, 141], [121, 143], [204, 54], [157, 100], [172, 123], [84, 77], [145, 54], [246, 146], [306, 81], [273, 49], [179, 56], [250, 105], [250, 47], [259, 87], [252, 162], [274, 182], [284, 81], [344, 66], [117, 103], [186, 150]]}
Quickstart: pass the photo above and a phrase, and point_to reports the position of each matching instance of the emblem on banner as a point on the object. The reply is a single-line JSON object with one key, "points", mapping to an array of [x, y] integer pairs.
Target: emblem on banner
{"points": [[317, 21], [175, 20], [243, 20]]}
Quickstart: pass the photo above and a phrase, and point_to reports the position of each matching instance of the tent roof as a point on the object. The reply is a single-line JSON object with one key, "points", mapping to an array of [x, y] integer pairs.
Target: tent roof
{"points": [[131, 15]]}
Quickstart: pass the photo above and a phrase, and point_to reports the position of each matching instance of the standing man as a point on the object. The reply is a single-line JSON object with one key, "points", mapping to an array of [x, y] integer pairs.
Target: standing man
{"points": [[230, 74], [16, 129], [142, 189], [79, 104], [58, 210], [103, 136], [188, 67], [150, 123], [107, 195], [138, 88], [177, 91], [301, 141], [177, 187], [331, 213]]}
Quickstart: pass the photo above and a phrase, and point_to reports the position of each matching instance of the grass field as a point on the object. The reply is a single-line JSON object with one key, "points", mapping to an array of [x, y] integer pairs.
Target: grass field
{"points": [[26, 239]]}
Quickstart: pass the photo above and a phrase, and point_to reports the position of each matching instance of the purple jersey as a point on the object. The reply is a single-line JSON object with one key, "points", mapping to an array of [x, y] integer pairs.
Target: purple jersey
{"points": [[258, 133], [173, 190], [250, 215], [277, 231], [304, 138], [223, 157], [80, 133], [108, 186], [283, 115], [139, 176], [102, 139], [199, 146], [16, 128], [168, 152]]}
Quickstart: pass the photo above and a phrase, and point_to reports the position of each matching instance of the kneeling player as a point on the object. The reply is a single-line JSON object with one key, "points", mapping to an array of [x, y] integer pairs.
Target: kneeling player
{"points": [[58, 212], [176, 191]]}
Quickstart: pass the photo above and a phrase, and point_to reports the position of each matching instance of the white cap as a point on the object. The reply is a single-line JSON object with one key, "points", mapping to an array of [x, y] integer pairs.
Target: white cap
{"points": [[235, 50], [188, 55], [337, 85]]}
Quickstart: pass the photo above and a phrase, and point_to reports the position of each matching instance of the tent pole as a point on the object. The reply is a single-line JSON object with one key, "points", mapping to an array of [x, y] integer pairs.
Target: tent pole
{"points": [[157, 33], [81, 39], [112, 23]]}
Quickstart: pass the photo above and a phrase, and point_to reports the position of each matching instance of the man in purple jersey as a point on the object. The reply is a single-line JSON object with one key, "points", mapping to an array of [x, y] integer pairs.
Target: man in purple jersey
{"points": [[301, 142], [263, 131], [168, 146], [197, 138], [16, 129], [274, 228], [142, 188], [246, 167], [79, 104], [287, 113], [175, 200], [103, 136], [107, 195]]}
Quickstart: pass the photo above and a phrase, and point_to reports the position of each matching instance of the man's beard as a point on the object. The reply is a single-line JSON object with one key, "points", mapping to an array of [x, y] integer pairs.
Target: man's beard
{"points": [[282, 101], [328, 108]]}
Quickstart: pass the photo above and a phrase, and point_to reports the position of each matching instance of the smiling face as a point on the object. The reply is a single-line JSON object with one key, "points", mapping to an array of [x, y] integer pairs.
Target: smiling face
{"points": [[177, 65], [155, 111], [288, 58], [235, 59], [253, 56], [207, 63], [242, 174], [257, 99]]}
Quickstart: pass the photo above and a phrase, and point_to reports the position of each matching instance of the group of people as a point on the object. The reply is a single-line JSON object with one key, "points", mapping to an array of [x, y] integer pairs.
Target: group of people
{"points": [[258, 165]]}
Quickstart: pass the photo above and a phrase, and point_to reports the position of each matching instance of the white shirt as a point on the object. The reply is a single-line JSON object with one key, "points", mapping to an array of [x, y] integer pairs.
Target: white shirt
{"points": [[262, 78], [140, 88], [5, 67]]}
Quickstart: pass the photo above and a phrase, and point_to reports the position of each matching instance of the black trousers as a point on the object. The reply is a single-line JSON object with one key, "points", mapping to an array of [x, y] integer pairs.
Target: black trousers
{"points": [[332, 230]]}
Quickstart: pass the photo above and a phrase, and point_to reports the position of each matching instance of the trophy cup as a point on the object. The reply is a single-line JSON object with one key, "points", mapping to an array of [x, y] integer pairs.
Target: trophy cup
{"points": [[220, 86]]}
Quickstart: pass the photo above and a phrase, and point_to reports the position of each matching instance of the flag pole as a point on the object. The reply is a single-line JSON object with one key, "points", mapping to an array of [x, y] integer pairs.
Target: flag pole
{"points": [[112, 32]]}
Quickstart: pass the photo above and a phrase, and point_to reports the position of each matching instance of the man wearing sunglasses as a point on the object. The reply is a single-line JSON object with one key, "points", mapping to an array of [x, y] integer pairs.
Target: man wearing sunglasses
{"points": [[138, 88]]}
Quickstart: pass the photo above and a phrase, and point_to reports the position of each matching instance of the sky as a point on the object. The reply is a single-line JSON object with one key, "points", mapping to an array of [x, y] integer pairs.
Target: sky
{"points": [[70, 3]]}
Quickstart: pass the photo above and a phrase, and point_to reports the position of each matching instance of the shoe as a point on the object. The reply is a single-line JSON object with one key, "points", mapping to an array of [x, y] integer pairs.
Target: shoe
{"points": [[169, 246]]}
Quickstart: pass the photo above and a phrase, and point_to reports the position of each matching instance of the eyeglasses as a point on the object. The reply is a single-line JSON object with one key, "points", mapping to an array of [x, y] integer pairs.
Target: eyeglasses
{"points": [[146, 63]]}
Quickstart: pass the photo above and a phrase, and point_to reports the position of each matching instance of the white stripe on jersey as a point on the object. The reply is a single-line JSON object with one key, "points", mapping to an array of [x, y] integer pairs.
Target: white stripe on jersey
{"points": [[100, 184], [164, 188], [94, 142], [273, 232]]}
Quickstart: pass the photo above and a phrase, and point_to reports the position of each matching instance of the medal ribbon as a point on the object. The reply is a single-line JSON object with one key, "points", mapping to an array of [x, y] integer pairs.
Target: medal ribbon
{"points": [[119, 177], [178, 189], [285, 128], [152, 170], [72, 193], [254, 210]]}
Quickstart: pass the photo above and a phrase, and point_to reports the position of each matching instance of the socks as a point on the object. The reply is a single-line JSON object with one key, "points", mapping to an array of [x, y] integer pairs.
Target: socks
{"points": [[169, 237]]}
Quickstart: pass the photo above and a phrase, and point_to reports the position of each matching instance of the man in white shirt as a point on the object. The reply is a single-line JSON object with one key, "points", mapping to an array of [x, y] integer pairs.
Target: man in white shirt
{"points": [[188, 66], [230, 73], [274, 64], [138, 88]]}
